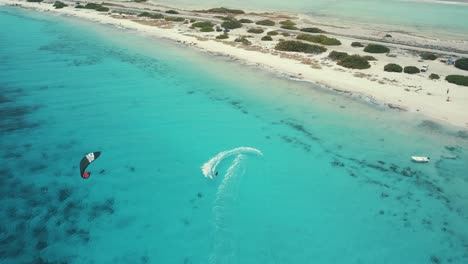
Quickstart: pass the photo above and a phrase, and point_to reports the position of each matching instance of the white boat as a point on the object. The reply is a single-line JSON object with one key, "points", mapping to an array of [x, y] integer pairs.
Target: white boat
{"points": [[420, 159]]}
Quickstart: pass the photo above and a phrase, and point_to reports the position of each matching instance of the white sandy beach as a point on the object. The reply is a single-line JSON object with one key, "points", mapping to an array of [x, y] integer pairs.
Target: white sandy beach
{"points": [[414, 93]]}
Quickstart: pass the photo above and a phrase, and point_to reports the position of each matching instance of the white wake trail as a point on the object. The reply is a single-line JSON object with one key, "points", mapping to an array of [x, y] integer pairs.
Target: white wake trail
{"points": [[226, 196], [225, 201], [209, 168]]}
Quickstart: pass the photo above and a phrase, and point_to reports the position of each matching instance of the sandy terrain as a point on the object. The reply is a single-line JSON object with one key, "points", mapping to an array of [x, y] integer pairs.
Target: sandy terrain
{"points": [[415, 93]]}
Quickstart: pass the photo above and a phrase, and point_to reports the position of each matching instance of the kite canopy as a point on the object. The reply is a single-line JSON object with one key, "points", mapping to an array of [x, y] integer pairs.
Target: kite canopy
{"points": [[85, 161]]}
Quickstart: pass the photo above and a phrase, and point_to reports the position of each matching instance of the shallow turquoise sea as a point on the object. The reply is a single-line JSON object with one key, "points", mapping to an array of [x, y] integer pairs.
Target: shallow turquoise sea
{"points": [[304, 175]]}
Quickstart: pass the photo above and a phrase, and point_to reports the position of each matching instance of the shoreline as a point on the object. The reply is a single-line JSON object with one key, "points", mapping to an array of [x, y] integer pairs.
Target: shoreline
{"points": [[403, 92]]}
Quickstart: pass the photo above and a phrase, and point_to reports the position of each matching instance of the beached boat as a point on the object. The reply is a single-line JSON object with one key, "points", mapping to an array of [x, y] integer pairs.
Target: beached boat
{"points": [[420, 159]]}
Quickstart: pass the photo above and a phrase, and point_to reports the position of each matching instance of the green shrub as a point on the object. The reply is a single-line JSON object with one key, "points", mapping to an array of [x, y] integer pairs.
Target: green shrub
{"points": [[224, 10], [369, 58], [321, 39], [35, 1], [457, 79], [153, 16], [337, 56], [94, 6], [287, 23], [376, 48], [59, 5], [255, 30], [267, 38], [245, 21], [434, 76], [175, 19], [203, 24], [206, 29], [298, 46], [289, 27], [232, 24], [357, 44], [285, 34], [312, 30], [354, 62], [428, 56], [411, 70], [392, 67], [243, 40], [272, 33], [222, 36], [462, 64], [266, 22], [192, 20], [172, 12]]}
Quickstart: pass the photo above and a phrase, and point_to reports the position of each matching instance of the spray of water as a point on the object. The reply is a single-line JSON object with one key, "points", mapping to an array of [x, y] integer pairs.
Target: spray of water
{"points": [[209, 168]]}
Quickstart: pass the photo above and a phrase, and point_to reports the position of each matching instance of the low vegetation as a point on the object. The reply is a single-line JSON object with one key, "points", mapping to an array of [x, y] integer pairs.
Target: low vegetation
{"points": [[285, 34], [153, 16], [289, 27], [35, 1], [255, 30], [204, 26], [298, 46], [462, 64], [411, 70], [376, 48], [354, 62], [206, 29], [267, 38], [312, 30], [337, 56], [321, 39], [357, 44], [369, 58], [288, 24], [350, 61], [245, 21], [172, 12], [272, 33], [174, 19], [231, 24], [434, 76], [266, 22], [224, 10], [392, 67], [94, 6], [243, 40], [428, 56], [457, 79], [59, 5], [139, 1], [222, 36]]}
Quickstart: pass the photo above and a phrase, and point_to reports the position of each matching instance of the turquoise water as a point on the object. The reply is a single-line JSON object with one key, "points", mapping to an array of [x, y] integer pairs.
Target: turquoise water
{"points": [[333, 182], [417, 15]]}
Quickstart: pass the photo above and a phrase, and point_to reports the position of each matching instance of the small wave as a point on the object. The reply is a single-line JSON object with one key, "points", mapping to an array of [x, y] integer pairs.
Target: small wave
{"points": [[209, 168]]}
